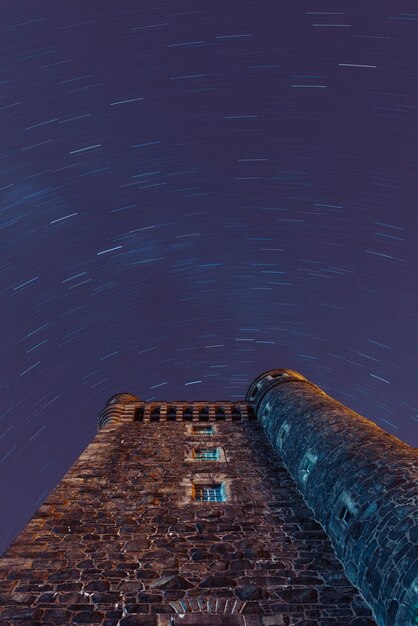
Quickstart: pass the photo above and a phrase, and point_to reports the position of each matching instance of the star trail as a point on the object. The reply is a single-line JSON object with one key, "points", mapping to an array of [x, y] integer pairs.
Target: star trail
{"points": [[193, 193]]}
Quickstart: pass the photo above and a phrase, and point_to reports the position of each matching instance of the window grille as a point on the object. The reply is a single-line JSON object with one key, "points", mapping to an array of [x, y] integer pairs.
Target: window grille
{"points": [[198, 429], [210, 492], [211, 454]]}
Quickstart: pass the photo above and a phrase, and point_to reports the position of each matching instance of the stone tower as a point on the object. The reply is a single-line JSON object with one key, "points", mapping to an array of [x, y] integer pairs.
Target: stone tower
{"points": [[286, 509]]}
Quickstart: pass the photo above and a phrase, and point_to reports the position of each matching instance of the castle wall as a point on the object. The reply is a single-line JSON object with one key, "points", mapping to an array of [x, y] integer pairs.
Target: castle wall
{"points": [[120, 540]]}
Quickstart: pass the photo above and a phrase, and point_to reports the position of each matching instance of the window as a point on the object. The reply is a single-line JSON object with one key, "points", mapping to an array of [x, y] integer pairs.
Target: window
{"points": [[345, 512], [204, 414], [267, 410], [171, 413], [282, 434], [209, 492], [199, 429], [188, 414], [139, 414], [345, 515], [155, 414], [254, 393], [307, 464], [209, 454], [206, 486], [236, 413], [251, 413], [220, 413]]}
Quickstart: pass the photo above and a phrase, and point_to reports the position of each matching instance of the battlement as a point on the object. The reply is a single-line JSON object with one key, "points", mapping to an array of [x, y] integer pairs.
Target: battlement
{"points": [[185, 411]]}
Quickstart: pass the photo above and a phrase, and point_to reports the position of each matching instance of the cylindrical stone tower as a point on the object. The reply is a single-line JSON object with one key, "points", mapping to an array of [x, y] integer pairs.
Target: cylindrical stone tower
{"points": [[360, 482], [114, 409]]}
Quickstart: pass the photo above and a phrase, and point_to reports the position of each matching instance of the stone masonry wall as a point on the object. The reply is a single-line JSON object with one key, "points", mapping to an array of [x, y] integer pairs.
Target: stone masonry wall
{"points": [[361, 483], [120, 541]]}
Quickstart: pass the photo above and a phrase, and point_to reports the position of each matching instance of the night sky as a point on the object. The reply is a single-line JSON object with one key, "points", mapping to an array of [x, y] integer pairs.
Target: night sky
{"points": [[193, 193]]}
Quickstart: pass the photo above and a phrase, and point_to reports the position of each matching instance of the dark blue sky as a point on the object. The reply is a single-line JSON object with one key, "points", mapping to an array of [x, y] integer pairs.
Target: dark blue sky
{"points": [[193, 193]]}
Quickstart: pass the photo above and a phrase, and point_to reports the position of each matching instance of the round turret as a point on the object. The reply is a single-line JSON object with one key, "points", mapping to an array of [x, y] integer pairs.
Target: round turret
{"points": [[360, 482], [270, 379], [113, 410]]}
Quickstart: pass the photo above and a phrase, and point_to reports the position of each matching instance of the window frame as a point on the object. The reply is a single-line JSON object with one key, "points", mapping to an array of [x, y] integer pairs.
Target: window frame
{"points": [[344, 512], [209, 492], [206, 454], [189, 484], [198, 430], [190, 452], [308, 462]]}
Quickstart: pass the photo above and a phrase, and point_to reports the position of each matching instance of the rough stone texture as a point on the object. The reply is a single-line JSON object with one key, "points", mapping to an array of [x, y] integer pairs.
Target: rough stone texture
{"points": [[120, 541], [361, 483]]}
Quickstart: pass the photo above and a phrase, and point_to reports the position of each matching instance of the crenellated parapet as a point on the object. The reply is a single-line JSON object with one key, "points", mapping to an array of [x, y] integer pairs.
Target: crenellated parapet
{"points": [[361, 483], [128, 408], [122, 398]]}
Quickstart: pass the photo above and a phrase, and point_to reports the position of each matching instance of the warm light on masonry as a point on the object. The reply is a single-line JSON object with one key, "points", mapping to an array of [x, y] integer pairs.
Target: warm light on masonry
{"points": [[208, 454], [209, 492]]}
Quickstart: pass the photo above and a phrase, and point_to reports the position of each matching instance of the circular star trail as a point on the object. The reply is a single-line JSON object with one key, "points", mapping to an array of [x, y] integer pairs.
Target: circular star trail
{"points": [[193, 193]]}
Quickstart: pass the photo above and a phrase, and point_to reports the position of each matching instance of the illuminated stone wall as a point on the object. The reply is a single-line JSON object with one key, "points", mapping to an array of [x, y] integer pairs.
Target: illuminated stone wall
{"points": [[120, 541]]}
